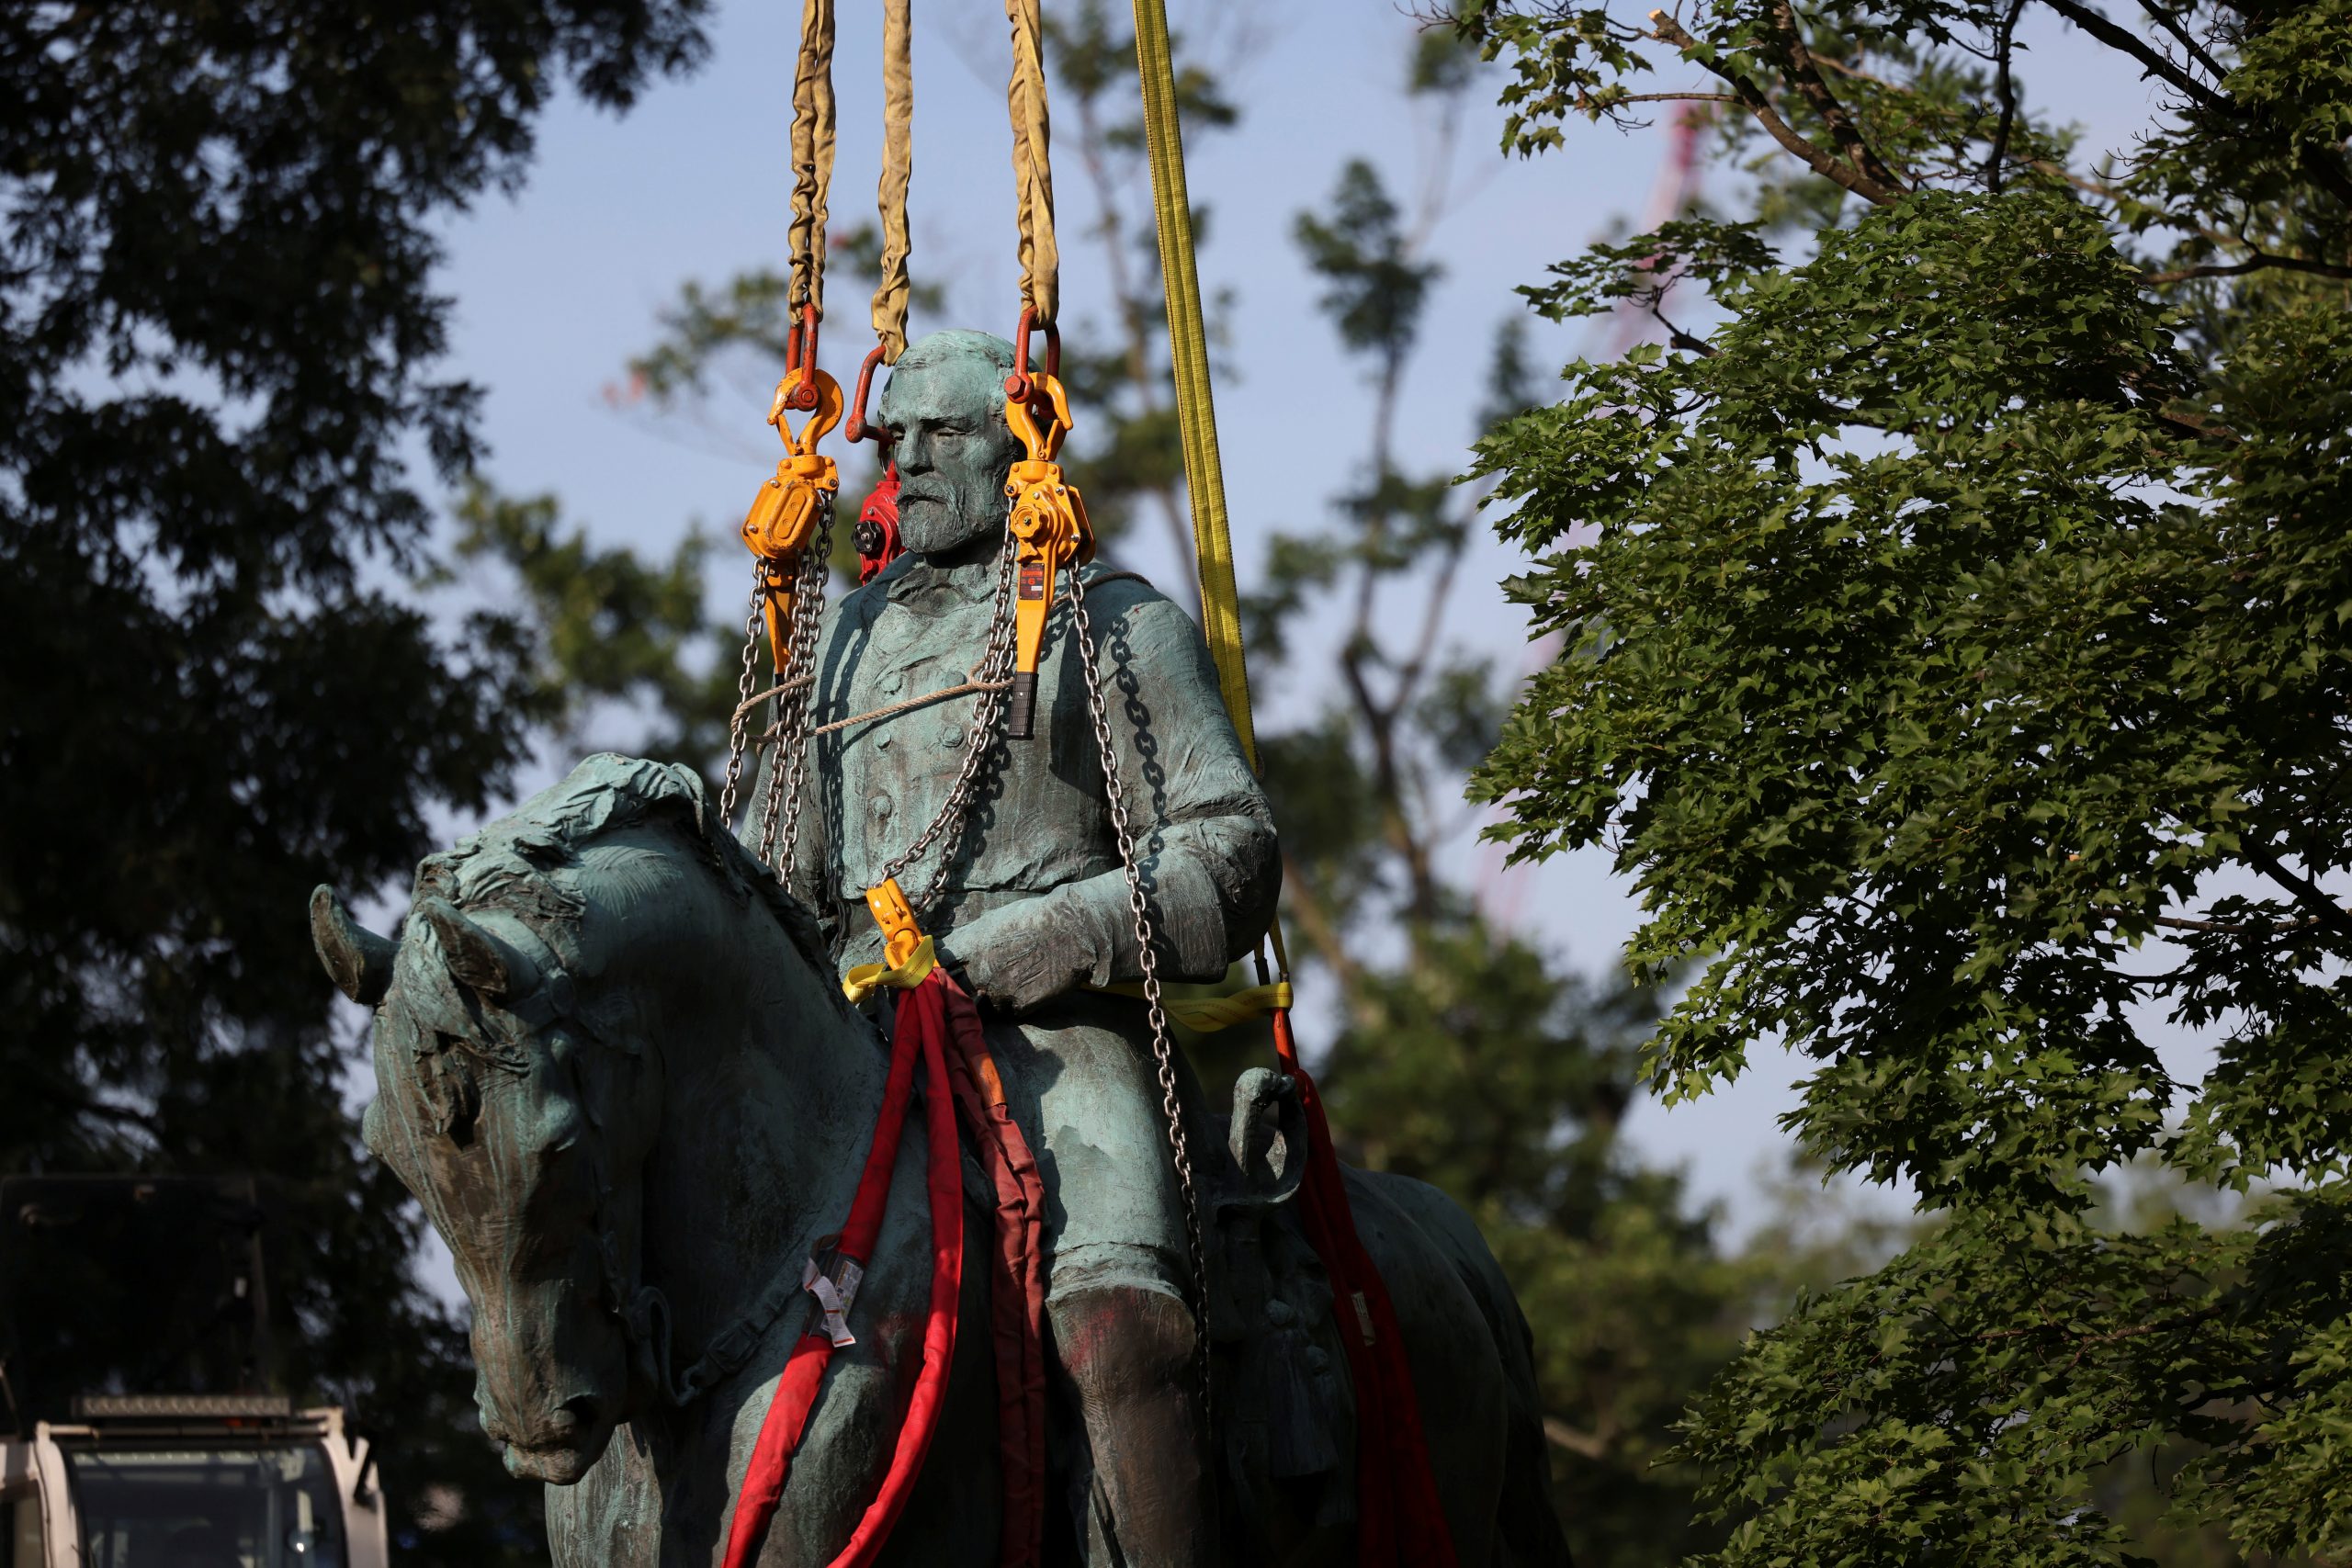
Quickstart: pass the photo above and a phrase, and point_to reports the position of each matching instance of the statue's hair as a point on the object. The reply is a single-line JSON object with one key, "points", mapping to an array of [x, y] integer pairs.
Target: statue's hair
{"points": [[509, 864], [954, 340]]}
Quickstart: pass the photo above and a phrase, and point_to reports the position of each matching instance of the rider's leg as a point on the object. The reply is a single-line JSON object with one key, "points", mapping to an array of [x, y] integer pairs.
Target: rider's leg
{"points": [[1118, 1274], [1125, 1350]]}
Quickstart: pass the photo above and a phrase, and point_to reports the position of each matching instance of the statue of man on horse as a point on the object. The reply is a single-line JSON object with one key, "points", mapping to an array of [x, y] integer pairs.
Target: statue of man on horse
{"points": [[1033, 909], [617, 1066]]}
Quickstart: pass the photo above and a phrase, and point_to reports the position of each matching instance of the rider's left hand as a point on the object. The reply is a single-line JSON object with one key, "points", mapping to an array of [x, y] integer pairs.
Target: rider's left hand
{"points": [[1017, 957]]}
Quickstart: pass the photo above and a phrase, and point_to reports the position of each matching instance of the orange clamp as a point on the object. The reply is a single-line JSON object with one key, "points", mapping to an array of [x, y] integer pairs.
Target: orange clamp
{"points": [[1047, 522], [896, 917], [784, 514]]}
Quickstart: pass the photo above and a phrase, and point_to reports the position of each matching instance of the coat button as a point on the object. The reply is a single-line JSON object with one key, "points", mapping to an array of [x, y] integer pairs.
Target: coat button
{"points": [[880, 807], [891, 681], [951, 738]]}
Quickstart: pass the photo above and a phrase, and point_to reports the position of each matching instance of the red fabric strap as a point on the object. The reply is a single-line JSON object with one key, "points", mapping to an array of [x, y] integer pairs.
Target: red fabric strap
{"points": [[1401, 1523], [921, 1031], [1017, 1284]]}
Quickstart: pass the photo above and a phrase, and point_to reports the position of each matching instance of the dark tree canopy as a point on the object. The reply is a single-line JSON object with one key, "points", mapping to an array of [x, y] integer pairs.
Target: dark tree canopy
{"points": [[1956, 607], [219, 338]]}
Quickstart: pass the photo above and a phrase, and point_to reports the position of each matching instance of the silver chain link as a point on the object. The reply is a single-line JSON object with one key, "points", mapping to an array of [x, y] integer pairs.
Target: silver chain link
{"points": [[788, 763], [996, 658], [1163, 1049], [735, 729], [979, 740]]}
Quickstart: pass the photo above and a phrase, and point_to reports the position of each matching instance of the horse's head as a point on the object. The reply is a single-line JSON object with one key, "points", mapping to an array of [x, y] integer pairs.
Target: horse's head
{"points": [[519, 1085]]}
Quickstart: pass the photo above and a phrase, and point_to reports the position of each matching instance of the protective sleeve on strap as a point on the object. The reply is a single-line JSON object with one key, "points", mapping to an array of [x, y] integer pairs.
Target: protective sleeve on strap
{"points": [[812, 151], [891, 295], [1032, 170]]}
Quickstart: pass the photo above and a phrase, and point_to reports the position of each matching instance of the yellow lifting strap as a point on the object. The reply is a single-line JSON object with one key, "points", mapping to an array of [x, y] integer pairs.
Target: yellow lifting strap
{"points": [[1188, 352], [1033, 169]]}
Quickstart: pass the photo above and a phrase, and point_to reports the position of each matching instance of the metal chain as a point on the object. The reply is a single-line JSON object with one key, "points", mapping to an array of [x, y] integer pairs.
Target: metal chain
{"points": [[978, 740], [1163, 1048], [735, 739], [810, 575]]}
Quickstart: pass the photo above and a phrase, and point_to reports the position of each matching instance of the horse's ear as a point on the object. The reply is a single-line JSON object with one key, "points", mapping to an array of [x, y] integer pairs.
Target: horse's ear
{"points": [[475, 956], [357, 960]]}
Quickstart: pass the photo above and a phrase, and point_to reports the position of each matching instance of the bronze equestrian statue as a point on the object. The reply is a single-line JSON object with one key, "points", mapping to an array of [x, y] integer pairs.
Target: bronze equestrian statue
{"points": [[615, 1067]]}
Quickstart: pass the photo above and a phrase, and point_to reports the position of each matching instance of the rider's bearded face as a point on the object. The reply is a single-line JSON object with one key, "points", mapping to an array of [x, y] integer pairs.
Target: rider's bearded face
{"points": [[945, 400]]}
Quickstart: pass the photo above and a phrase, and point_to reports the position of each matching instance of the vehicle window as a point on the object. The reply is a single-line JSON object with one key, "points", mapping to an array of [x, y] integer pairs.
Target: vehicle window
{"points": [[208, 1508]]}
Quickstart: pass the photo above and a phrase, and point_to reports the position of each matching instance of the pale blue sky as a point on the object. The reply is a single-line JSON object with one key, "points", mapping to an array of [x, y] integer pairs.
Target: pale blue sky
{"points": [[559, 287]]}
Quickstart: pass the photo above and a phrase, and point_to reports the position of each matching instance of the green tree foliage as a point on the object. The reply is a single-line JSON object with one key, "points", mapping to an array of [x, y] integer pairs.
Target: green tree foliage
{"points": [[1955, 653], [218, 340], [607, 629], [1463, 1055]]}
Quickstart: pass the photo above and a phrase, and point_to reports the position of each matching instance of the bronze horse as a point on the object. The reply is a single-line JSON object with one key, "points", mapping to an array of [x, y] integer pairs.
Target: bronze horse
{"points": [[615, 1065]]}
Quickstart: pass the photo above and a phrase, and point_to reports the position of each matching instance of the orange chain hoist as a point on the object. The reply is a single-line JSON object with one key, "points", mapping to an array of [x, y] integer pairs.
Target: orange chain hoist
{"points": [[786, 511], [1047, 517]]}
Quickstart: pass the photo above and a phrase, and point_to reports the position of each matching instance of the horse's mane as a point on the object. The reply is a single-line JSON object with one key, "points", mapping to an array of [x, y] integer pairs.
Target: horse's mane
{"points": [[510, 864]]}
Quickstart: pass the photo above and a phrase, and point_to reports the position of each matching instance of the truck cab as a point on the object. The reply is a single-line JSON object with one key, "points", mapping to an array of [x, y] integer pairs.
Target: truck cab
{"points": [[189, 1481]]}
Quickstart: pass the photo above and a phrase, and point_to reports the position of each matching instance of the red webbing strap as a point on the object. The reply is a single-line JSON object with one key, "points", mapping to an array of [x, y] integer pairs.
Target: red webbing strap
{"points": [[1016, 1283], [919, 1032], [1399, 1521]]}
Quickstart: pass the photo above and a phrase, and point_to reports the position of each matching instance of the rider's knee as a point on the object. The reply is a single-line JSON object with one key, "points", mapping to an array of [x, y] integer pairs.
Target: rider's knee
{"points": [[1122, 1342]]}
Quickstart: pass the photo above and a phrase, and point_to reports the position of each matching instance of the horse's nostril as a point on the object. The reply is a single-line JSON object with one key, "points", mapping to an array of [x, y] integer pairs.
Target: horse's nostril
{"points": [[575, 1413]]}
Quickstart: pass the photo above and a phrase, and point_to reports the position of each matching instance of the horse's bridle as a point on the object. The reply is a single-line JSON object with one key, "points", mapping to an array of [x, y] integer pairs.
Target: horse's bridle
{"points": [[642, 1310]]}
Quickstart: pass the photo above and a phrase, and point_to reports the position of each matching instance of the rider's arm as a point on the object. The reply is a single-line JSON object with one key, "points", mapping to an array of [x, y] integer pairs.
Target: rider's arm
{"points": [[1201, 826]]}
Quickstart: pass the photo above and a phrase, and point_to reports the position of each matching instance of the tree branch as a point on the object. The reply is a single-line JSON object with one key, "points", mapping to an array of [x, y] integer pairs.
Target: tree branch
{"points": [[2116, 37], [2270, 927], [1814, 91], [1827, 165], [2309, 893], [1299, 895], [2172, 25], [2005, 87], [1585, 1445], [2259, 262]]}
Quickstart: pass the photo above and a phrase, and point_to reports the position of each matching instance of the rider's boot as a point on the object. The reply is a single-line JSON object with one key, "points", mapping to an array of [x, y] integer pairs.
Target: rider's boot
{"points": [[1128, 1352]]}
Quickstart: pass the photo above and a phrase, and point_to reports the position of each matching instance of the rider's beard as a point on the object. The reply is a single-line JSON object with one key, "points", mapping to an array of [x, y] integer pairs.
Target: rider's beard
{"points": [[936, 518]]}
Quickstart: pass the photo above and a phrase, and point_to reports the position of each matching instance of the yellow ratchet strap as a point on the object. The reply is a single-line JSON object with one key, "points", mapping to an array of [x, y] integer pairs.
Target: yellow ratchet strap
{"points": [[1206, 1015]]}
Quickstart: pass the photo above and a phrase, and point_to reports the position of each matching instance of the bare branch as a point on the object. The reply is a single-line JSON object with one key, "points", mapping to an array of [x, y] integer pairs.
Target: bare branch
{"points": [[1827, 165], [1585, 1445], [2270, 928], [1301, 900], [2005, 87], [2172, 25]]}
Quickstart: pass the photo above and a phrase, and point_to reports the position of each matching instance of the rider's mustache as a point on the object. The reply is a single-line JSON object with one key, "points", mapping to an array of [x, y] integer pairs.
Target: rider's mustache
{"points": [[933, 488]]}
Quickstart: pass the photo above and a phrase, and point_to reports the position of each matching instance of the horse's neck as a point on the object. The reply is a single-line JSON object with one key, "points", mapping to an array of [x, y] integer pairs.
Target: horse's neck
{"points": [[766, 1105]]}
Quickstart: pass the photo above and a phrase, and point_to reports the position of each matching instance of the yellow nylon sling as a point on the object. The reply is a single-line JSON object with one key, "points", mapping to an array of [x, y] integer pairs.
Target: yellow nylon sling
{"points": [[1188, 353]]}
